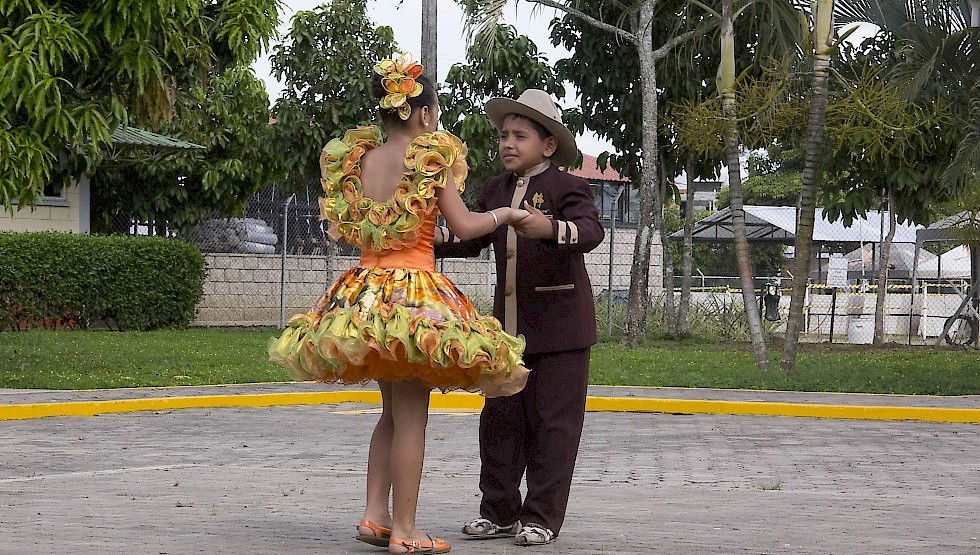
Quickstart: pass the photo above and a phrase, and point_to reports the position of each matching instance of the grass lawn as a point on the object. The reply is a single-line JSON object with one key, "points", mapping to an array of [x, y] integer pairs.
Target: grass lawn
{"points": [[820, 367], [94, 359], [88, 360]]}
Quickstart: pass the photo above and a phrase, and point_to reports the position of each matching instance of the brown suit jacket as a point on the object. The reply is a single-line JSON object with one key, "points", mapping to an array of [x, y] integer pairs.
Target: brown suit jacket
{"points": [[543, 289]]}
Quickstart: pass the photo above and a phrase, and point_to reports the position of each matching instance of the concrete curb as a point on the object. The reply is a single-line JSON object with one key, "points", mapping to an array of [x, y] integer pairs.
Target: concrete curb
{"points": [[470, 401]]}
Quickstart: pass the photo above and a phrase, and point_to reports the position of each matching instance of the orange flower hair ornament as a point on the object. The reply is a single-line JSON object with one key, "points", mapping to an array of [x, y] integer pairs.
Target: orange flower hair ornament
{"points": [[398, 79]]}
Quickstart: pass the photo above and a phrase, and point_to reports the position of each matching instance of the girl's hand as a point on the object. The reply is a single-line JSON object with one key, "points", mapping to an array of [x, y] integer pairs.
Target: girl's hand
{"points": [[516, 214], [535, 226]]}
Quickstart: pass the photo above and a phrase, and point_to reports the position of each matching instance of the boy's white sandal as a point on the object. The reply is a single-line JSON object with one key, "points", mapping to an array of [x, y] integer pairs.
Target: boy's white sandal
{"points": [[534, 534], [483, 529]]}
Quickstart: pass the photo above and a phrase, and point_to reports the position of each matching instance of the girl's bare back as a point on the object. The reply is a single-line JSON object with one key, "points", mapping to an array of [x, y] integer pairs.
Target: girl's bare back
{"points": [[381, 171]]}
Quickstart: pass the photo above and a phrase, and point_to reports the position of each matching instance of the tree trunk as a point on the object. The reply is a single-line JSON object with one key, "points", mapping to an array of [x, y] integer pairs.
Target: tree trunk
{"points": [[742, 252], [649, 193], [430, 40], [726, 85], [823, 35], [687, 261], [882, 293]]}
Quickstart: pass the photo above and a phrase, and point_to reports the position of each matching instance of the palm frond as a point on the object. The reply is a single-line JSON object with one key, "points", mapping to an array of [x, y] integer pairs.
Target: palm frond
{"points": [[886, 14], [948, 15], [963, 173], [934, 57], [778, 25], [895, 17], [482, 17]]}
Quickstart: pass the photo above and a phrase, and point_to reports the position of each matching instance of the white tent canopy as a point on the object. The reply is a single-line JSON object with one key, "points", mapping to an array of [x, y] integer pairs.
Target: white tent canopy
{"points": [[960, 227], [864, 259], [778, 224], [952, 264]]}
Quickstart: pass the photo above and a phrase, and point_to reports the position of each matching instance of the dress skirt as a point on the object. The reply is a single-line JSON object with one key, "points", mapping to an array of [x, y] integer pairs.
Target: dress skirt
{"points": [[394, 324]]}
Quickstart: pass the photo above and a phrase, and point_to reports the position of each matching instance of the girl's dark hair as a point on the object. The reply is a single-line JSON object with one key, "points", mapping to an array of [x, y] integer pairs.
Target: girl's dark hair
{"points": [[426, 98]]}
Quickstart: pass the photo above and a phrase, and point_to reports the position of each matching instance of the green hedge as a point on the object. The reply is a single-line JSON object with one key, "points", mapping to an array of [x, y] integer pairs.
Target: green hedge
{"points": [[64, 280]]}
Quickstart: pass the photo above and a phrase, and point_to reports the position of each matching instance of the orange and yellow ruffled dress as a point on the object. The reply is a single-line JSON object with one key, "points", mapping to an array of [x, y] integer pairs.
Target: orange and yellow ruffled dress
{"points": [[393, 317]]}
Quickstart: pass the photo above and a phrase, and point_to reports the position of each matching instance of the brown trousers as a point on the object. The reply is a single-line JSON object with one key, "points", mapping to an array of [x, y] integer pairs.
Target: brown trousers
{"points": [[536, 431]]}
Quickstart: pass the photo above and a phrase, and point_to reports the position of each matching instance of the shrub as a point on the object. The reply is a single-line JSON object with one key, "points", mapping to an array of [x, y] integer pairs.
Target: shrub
{"points": [[65, 280]]}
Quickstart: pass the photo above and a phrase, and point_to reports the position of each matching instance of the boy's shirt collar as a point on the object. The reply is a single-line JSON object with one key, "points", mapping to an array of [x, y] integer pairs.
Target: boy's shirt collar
{"points": [[523, 180]]}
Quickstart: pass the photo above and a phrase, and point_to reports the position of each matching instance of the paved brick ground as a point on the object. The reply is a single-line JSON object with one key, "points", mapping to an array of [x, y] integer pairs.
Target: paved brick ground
{"points": [[290, 480]]}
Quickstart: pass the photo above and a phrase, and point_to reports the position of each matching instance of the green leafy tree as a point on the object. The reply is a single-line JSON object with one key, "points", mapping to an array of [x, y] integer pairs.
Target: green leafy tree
{"points": [[230, 118], [325, 65], [652, 29], [71, 72], [774, 179], [894, 128], [931, 51], [914, 78], [610, 108], [510, 68], [884, 155], [613, 109], [785, 31]]}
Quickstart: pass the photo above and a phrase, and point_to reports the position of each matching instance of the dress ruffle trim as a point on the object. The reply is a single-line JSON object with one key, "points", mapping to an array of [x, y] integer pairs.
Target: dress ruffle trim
{"points": [[341, 348], [362, 331], [394, 223]]}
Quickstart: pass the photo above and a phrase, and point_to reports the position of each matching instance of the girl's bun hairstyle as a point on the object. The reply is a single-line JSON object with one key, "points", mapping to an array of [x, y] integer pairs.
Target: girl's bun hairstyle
{"points": [[426, 98]]}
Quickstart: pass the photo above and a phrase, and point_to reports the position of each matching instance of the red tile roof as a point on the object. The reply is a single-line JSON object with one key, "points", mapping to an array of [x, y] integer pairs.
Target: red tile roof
{"points": [[590, 171]]}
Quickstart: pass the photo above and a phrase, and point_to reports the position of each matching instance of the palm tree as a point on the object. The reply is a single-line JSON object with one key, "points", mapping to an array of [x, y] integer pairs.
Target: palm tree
{"points": [[823, 45], [938, 60], [938, 51], [786, 22]]}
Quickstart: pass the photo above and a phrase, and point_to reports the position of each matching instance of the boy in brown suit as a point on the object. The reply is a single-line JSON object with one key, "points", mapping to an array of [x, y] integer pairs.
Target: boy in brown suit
{"points": [[543, 292]]}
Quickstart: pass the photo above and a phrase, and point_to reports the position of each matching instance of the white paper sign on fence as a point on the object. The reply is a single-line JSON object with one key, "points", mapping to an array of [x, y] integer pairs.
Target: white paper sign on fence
{"points": [[837, 272]]}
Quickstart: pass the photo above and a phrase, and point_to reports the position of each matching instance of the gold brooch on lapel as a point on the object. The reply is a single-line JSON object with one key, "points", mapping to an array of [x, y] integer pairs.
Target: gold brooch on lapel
{"points": [[537, 200]]}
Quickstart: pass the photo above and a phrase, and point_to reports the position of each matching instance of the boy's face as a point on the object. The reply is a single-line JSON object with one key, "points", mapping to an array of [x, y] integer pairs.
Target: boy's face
{"points": [[521, 146]]}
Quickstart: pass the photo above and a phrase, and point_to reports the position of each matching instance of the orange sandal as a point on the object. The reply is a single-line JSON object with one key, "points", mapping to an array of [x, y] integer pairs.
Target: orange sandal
{"points": [[379, 537], [434, 545]]}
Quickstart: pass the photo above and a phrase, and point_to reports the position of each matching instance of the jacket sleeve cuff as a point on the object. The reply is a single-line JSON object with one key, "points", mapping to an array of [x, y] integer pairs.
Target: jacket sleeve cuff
{"points": [[566, 233]]}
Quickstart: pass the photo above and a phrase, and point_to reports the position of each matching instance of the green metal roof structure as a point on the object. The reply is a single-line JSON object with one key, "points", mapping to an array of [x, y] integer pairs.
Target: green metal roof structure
{"points": [[131, 137]]}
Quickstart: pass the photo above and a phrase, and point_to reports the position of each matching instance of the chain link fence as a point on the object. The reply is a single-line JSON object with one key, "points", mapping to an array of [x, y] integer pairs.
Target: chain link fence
{"points": [[927, 299], [276, 260]]}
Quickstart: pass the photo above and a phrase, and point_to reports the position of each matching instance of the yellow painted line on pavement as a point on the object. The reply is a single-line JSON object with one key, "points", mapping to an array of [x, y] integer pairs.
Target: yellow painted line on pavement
{"points": [[762, 408], [92, 408], [471, 401]]}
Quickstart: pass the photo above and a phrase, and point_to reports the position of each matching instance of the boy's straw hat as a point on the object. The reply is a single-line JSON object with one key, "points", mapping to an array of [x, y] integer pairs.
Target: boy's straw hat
{"points": [[535, 104]]}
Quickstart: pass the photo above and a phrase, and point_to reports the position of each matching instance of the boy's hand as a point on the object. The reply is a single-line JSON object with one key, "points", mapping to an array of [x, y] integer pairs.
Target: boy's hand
{"points": [[535, 226], [516, 215]]}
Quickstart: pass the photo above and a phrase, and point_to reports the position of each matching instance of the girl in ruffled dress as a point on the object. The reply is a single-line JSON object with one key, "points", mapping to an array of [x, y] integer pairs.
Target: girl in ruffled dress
{"points": [[393, 318]]}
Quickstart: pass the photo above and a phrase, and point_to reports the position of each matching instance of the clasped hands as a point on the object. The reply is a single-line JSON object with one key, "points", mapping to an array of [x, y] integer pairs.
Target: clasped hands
{"points": [[530, 222]]}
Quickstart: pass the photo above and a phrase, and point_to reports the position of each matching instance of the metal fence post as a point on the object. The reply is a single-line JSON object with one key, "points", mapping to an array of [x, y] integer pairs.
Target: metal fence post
{"points": [[612, 250], [282, 266]]}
